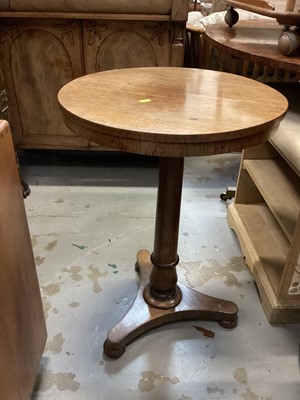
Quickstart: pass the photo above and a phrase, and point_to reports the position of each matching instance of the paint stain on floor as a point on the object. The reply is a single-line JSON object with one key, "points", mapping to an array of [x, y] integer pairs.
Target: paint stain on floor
{"points": [[74, 304], [240, 374], [56, 344], [197, 273], [114, 267], [51, 289], [79, 246], [215, 390], [62, 380], [51, 245], [150, 379], [249, 395], [39, 260], [74, 273], [95, 276]]}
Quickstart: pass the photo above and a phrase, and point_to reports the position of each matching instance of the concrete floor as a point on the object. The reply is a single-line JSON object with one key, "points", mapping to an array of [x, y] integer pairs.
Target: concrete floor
{"points": [[89, 214]]}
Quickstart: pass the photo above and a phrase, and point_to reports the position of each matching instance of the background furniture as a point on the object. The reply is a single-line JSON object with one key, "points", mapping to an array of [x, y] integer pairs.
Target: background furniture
{"points": [[266, 215], [249, 49], [160, 113], [286, 12], [46, 44], [22, 323], [196, 25]]}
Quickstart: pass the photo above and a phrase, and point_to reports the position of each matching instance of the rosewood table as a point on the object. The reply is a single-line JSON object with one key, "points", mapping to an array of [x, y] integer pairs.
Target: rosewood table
{"points": [[170, 113]]}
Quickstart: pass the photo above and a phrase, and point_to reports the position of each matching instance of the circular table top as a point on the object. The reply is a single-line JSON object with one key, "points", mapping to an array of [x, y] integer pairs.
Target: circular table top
{"points": [[172, 112], [255, 40]]}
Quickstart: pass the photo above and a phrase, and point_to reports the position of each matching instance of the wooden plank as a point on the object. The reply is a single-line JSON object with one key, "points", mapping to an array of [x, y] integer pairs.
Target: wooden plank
{"points": [[277, 311], [267, 246], [22, 327], [280, 187], [247, 192], [262, 151], [290, 275]]}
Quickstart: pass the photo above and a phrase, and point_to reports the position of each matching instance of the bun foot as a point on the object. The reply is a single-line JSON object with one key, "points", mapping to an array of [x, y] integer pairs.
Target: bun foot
{"points": [[112, 352], [229, 324], [142, 317]]}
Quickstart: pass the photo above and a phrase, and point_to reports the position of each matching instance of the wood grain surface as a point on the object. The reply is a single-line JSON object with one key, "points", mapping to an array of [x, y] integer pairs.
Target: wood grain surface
{"points": [[170, 111], [22, 322]]}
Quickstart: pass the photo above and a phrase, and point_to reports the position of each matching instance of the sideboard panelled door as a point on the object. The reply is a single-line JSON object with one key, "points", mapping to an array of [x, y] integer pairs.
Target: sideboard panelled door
{"points": [[125, 44], [43, 56]]}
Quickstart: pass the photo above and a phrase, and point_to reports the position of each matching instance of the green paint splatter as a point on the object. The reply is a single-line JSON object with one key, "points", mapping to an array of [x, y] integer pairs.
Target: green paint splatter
{"points": [[114, 266], [115, 272], [81, 247]]}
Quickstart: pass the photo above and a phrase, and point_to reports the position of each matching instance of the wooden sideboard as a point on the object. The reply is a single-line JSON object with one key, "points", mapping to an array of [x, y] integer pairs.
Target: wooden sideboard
{"points": [[42, 50]]}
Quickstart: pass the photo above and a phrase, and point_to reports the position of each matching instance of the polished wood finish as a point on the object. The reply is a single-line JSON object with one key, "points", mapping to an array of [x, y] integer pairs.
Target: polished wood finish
{"points": [[22, 322], [142, 317], [43, 50], [250, 49], [162, 291], [171, 113]]}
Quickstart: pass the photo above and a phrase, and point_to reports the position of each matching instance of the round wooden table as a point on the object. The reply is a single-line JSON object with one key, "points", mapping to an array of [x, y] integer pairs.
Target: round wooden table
{"points": [[252, 46], [170, 113]]}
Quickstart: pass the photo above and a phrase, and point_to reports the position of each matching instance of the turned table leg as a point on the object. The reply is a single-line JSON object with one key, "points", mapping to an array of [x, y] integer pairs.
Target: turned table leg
{"points": [[162, 290], [160, 298]]}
